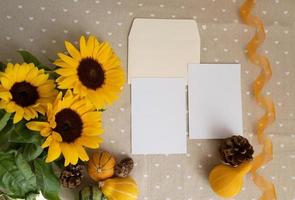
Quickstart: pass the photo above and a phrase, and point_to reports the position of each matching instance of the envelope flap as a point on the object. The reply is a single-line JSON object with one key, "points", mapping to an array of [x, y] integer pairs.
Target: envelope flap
{"points": [[164, 29], [162, 48]]}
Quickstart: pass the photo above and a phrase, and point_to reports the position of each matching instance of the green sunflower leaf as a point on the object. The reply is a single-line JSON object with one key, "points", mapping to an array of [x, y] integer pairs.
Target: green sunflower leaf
{"points": [[21, 134], [5, 135], [31, 151], [2, 66], [4, 119], [16, 177], [47, 180], [30, 58]]}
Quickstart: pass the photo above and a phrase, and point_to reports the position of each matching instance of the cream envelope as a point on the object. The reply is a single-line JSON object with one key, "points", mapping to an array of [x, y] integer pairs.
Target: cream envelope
{"points": [[162, 48]]}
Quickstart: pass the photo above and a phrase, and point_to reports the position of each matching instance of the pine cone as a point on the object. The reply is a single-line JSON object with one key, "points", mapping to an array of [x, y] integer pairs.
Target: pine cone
{"points": [[235, 150], [124, 167], [71, 176]]}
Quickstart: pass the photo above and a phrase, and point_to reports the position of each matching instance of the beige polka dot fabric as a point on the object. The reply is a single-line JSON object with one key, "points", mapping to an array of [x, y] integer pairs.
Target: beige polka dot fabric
{"points": [[41, 26]]}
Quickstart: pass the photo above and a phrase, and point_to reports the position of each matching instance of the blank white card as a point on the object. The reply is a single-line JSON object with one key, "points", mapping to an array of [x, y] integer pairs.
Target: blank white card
{"points": [[158, 116], [215, 103]]}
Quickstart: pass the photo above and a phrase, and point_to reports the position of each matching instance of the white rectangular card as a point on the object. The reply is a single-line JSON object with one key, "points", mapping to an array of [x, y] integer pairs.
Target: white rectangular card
{"points": [[215, 104], [162, 48], [158, 115]]}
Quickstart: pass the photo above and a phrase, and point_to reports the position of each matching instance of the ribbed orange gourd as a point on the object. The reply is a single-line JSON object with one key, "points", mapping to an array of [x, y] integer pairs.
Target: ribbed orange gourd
{"points": [[227, 181], [120, 189], [101, 165]]}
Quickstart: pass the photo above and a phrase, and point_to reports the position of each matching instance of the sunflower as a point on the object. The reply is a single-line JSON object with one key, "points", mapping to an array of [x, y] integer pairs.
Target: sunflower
{"points": [[95, 72], [25, 90], [72, 124]]}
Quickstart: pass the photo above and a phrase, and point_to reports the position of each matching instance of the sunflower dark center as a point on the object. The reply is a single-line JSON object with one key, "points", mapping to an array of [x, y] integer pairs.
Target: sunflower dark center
{"points": [[90, 73], [24, 94], [68, 124]]}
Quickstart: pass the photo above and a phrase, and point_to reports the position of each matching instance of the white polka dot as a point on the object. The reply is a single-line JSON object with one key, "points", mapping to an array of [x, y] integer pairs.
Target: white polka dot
{"points": [[42, 8]]}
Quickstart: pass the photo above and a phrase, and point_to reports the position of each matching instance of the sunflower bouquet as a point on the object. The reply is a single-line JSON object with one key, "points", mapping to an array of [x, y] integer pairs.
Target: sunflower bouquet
{"points": [[50, 115]]}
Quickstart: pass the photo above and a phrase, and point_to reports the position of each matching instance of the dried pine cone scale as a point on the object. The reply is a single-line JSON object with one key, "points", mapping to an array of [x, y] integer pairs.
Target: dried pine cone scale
{"points": [[124, 167], [71, 176], [236, 150]]}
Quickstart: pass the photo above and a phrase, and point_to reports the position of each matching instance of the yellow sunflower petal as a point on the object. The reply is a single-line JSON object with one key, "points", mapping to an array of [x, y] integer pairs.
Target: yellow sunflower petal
{"points": [[72, 50], [11, 107], [96, 100], [62, 64], [6, 83], [39, 80], [37, 126], [105, 52], [90, 45], [45, 132], [32, 74], [67, 82], [70, 154], [83, 48], [92, 131], [47, 142], [89, 141], [56, 136], [54, 151], [67, 59], [5, 95], [19, 114], [47, 89], [81, 152], [66, 71], [90, 116]]}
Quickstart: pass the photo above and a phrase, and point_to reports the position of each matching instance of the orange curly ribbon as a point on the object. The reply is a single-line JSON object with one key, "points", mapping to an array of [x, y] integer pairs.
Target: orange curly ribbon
{"points": [[267, 104]]}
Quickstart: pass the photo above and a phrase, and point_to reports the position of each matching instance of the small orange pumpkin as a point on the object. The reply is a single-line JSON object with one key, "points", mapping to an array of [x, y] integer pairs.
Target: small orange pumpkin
{"points": [[101, 165]]}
